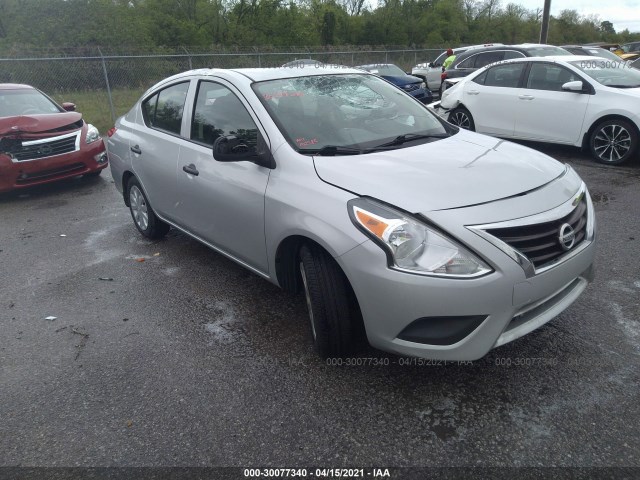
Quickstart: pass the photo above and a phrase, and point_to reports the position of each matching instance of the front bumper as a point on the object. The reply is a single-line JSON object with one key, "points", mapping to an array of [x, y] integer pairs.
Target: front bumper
{"points": [[425, 96], [408, 313], [22, 174]]}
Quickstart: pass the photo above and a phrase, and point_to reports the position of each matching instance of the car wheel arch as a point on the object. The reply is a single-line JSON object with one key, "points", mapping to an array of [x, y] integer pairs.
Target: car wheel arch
{"points": [[605, 118]]}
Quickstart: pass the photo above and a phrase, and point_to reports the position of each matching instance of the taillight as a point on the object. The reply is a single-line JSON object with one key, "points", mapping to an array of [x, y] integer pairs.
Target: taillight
{"points": [[111, 131]]}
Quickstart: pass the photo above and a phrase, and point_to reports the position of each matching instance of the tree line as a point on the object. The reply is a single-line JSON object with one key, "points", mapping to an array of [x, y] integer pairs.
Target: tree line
{"points": [[150, 24]]}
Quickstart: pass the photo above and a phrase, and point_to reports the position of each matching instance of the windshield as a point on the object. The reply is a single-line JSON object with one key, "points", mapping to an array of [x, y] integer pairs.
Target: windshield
{"points": [[601, 52], [25, 102], [356, 111], [612, 74], [548, 51]]}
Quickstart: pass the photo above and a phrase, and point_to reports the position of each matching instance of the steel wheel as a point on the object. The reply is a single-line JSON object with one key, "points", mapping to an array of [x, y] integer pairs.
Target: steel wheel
{"points": [[144, 218], [462, 118], [139, 209], [613, 142]]}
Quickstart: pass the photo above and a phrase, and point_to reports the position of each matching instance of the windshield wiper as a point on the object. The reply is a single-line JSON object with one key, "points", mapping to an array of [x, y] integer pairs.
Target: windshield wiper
{"points": [[623, 86], [400, 139], [331, 150]]}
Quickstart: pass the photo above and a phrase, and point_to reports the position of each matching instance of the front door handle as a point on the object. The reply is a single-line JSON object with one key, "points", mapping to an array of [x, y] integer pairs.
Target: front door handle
{"points": [[473, 92], [526, 97], [191, 170], [136, 149]]}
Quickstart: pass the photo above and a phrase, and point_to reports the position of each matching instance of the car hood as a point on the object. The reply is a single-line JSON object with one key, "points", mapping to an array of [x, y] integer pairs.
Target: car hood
{"points": [[463, 170], [401, 81], [38, 123]]}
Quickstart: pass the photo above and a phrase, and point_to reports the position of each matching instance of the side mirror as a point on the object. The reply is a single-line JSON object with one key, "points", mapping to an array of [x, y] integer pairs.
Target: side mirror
{"points": [[431, 64], [69, 107], [230, 148], [575, 86]]}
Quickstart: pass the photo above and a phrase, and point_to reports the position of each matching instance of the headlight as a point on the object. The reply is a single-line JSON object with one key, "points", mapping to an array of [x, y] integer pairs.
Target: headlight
{"points": [[413, 246], [423, 85], [92, 134]]}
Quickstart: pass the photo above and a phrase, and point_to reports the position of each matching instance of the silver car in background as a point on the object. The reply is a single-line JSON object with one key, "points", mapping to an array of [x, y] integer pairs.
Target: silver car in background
{"points": [[444, 243]]}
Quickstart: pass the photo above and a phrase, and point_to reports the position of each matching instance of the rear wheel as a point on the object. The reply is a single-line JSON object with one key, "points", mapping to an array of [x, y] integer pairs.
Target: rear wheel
{"points": [[326, 291], [144, 218], [462, 118], [613, 141]]}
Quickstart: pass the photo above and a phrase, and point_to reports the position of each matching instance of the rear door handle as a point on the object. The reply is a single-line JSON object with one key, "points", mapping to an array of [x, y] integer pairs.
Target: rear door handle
{"points": [[136, 149], [526, 97], [191, 170]]}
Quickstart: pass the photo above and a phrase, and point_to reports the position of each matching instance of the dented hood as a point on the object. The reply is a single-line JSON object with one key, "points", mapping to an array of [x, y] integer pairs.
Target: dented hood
{"points": [[462, 170], [38, 123]]}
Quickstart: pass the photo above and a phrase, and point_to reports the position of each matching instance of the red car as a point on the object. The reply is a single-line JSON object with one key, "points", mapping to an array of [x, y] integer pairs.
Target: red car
{"points": [[41, 141]]}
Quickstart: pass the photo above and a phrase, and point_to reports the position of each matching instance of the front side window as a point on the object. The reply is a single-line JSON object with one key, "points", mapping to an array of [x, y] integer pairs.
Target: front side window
{"points": [[509, 54], [348, 111], [467, 63], [484, 59], [507, 75], [547, 76], [218, 112], [164, 109]]}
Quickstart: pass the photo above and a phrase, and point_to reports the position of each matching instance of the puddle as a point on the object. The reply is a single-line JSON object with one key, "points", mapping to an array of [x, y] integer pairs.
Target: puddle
{"points": [[225, 327]]}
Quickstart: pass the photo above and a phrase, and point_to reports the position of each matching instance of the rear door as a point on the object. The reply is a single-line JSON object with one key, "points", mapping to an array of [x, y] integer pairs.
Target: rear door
{"points": [[545, 111], [492, 98], [155, 146]]}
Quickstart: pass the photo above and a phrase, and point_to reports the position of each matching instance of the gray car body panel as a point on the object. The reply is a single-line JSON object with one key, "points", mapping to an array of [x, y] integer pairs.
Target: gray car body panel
{"points": [[453, 184]]}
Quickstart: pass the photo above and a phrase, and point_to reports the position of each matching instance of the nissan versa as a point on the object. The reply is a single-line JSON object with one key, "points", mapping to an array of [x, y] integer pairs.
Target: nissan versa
{"points": [[446, 243]]}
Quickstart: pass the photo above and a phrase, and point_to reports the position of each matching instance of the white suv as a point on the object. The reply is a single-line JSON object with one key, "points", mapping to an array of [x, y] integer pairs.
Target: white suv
{"points": [[430, 71]]}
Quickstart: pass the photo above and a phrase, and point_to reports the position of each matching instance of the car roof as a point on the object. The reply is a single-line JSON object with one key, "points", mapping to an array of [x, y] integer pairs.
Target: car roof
{"points": [[262, 74], [15, 86]]}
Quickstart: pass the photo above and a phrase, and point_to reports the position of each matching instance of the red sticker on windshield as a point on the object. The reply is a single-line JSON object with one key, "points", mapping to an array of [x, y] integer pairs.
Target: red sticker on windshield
{"points": [[303, 142], [269, 96]]}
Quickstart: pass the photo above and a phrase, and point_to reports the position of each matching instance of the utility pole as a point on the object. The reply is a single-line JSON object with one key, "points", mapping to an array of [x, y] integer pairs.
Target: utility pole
{"points": [[544, 30]]}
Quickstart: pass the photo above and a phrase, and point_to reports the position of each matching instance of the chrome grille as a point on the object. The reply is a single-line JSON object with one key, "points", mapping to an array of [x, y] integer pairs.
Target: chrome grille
{"points": [[47, 147], [540, 243]]}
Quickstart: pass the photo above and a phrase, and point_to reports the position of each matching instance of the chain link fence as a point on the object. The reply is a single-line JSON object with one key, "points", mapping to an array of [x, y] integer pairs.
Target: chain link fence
{"points": [[104, 84]]}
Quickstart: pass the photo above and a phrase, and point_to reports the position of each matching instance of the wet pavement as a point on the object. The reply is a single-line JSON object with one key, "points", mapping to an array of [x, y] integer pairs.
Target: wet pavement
{"points": [[186, 359]]}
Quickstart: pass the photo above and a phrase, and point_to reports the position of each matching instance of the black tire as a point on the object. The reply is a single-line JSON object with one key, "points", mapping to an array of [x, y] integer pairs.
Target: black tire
{"points": [[461, 117], [613, 141], [144, 218], [326, 290]]}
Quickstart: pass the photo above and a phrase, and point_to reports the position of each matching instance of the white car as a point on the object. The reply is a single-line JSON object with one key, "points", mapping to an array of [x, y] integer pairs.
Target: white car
{"points": [[583, 101], [430, 71]]}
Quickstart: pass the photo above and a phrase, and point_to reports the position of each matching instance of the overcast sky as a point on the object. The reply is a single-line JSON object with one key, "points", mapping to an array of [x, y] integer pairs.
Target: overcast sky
{"points": [[622, 13]]}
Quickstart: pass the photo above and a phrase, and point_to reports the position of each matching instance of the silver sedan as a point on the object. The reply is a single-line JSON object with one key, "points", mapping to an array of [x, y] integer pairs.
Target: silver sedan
{"points": [[440, 242]]}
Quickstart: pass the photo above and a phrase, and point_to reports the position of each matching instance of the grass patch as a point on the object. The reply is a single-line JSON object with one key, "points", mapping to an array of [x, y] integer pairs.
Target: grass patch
{"points": [[94, 105]]}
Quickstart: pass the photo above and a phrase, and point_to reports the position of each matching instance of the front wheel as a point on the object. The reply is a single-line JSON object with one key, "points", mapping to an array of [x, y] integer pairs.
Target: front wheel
{"points": [[462, 118], [326, 291], [144, 218], [613, 141]]}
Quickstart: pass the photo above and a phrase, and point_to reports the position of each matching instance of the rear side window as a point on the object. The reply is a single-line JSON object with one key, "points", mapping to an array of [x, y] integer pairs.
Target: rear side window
{"points": [[504, 75], [164, 109]]}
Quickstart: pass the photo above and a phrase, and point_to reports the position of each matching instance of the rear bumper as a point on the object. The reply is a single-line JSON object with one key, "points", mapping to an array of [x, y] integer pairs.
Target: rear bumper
{"points": [[22, 174]]}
